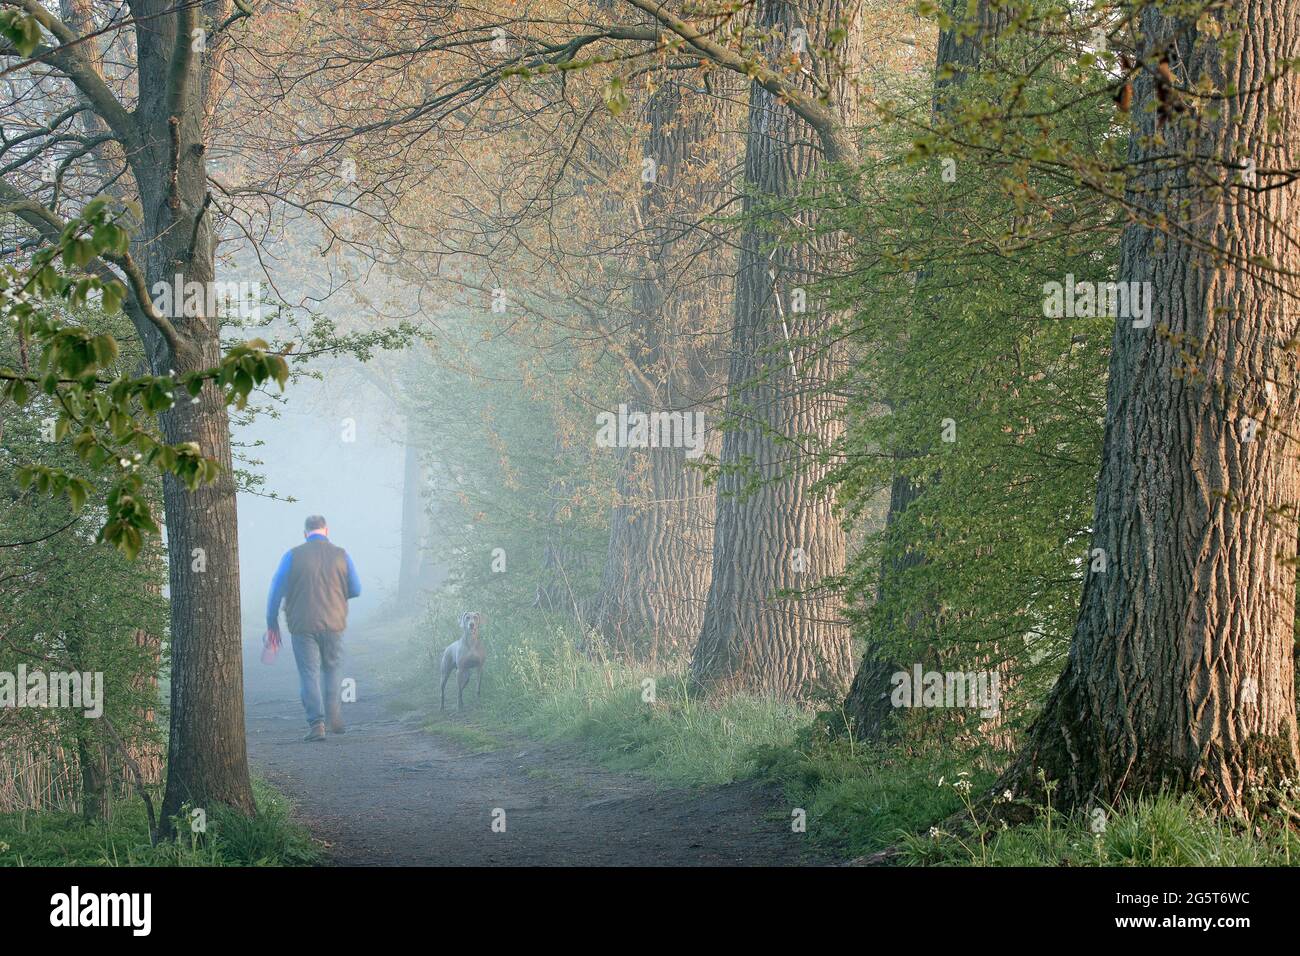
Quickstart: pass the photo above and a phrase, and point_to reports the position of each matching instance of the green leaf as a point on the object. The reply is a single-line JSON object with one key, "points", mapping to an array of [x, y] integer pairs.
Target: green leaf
{"points": [[113, 293], [78, 490], [21, 30], [615, 95], [105, 349]]}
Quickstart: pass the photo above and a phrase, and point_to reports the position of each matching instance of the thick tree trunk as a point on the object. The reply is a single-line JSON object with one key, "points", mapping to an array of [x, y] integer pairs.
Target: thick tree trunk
{"points": [[207, 761], [656, 575], [1180, 673], [651, 601], [774, 533]]}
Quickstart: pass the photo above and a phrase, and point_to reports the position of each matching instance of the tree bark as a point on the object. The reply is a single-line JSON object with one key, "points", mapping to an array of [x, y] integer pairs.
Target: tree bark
{"points": [[1180, 672], [774, 533], [96, 784], [147, 753], [656, 576], [207, 761], [651, 602], [868, 708]]}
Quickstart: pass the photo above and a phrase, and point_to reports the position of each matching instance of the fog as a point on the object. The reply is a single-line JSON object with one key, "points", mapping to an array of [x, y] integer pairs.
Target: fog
{"points": [[306, 456]]}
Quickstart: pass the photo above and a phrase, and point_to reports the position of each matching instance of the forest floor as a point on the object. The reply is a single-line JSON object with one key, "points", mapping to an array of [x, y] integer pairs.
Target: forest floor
{"points": [[389, 793]]}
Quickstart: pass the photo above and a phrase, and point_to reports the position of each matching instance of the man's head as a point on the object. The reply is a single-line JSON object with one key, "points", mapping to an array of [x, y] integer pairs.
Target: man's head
{"points": [[315, 524]]}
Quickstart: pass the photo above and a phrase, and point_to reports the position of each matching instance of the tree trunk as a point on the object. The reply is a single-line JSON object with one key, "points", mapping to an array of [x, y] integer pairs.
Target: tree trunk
{"points": [[96, 784], [207, 761], [656, 576], [773, 531], [1180, 672], [411, 578], [868, 707]]}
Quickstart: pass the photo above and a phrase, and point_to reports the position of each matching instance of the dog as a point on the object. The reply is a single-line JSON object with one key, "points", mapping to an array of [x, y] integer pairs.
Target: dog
{"points": [[465, 655]]}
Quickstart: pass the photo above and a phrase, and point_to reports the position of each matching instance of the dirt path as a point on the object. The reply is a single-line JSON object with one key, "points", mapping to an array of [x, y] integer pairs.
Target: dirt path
{"points": [[390, 794]]}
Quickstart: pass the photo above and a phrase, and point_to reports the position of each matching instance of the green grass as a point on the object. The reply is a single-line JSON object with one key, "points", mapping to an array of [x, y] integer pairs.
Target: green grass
{"points": [[467, 736], [539, 685], [270, 838], [1152, 831], [862, 800]]}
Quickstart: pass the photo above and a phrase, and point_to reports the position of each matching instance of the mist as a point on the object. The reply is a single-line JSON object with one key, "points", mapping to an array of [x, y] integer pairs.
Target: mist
{"points": [[334, 449]]}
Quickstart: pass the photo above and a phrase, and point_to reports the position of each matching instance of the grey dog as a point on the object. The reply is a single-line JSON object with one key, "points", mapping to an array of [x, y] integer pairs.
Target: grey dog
{"points": [[465, 655]]}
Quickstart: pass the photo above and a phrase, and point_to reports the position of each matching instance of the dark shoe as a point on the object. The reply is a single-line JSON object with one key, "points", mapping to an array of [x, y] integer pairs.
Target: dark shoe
{"points": [[337, 726], [317, 733]]}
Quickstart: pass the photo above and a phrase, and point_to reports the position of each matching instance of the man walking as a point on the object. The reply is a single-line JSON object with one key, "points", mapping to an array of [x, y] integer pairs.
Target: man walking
{"points": [[315, 581]]}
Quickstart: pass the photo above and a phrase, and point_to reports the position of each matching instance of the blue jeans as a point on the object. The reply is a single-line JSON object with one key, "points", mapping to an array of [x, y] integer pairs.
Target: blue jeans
{"points": [[319, 657]]}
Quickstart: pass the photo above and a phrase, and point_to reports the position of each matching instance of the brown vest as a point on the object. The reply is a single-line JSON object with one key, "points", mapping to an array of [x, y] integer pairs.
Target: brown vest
{"points": [[316, 594]]}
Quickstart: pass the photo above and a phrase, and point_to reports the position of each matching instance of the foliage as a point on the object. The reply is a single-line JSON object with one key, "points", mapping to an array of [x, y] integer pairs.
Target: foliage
{"points": [[1160, 830], [862, 800], [962, 387], [271, 838], [111, 420], [510, 456], [20, 29], [69, 602]]}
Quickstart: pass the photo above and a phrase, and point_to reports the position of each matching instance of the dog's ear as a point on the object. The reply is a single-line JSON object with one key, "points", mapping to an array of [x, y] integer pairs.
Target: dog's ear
{"points": [[463, 616]]}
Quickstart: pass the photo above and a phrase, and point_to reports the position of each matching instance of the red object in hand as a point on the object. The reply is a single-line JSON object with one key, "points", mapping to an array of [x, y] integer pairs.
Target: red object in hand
{"points": [[270, 647]]}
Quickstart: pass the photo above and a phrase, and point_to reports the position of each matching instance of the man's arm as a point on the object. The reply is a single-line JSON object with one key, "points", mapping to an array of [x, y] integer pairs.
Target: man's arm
{"points": [[354, 582], [278, 582]]}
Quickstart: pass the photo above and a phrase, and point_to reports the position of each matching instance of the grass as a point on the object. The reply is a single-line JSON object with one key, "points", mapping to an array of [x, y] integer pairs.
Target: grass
{"points": [[538, 684], [467, 736], [862, 800], [1152, 831], [858, 799], [270, 838]]}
